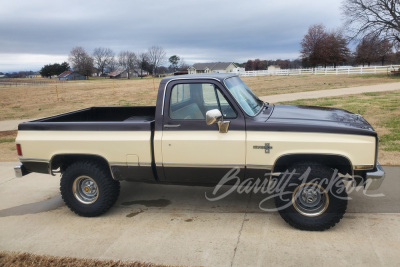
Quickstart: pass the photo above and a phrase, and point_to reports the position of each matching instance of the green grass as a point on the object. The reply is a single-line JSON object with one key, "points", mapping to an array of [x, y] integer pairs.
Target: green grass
{"points": [[372, 75], [381, 108], [7, 140], [392, 140], [124, 103], [371, 94]]}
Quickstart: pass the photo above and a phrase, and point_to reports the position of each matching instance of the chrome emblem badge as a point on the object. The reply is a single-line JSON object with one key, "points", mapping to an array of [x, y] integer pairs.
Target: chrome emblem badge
{"points": [[267, 147]]}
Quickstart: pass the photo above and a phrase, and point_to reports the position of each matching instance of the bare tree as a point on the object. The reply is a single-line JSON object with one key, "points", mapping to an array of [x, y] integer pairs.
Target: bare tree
{"points": [[156, 56], [112, 64], [313, 45], [81, 61], [142, 62], [127, 60], [336, 48], [249, 65], [372, 49], [373, 17], [102, 57], [183, 65], [321, 47]]}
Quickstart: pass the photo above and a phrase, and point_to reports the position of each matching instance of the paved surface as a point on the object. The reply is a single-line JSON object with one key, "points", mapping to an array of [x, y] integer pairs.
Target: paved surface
{"points": [[177, 225], [11, 125], [332, 92]]}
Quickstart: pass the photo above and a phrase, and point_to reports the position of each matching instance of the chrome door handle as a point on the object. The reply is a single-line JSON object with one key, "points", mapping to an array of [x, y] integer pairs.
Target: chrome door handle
{"points": [[172, 125]]}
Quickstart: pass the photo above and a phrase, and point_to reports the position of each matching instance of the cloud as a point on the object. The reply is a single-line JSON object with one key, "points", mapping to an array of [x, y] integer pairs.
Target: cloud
{"points": [[197, 30], [28, 62]]}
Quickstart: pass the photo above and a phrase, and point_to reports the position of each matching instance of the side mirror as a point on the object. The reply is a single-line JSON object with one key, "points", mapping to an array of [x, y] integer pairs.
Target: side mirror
{"points": [[215, 116], [212, 116]]}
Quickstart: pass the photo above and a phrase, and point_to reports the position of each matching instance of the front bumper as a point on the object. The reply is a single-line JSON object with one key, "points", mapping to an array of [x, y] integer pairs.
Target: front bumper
{"points": [[374, 179]]}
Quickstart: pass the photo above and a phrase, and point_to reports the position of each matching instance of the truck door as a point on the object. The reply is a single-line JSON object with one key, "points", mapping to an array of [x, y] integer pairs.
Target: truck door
{"points": [[192, 151]]}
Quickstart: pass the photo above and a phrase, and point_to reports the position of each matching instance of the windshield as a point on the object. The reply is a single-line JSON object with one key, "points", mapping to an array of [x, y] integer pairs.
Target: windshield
{"points": [[249, 102]]}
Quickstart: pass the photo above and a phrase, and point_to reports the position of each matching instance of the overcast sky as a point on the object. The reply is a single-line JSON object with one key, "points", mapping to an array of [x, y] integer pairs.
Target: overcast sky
{"points": [[34, 33]]}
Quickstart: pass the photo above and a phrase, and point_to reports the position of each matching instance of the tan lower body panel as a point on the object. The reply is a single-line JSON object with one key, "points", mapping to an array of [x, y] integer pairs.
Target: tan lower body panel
{"points": [[115, 146], [359, 149]]}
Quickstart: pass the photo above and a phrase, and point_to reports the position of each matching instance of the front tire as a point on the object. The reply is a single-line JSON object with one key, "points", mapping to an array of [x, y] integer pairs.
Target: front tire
{"points": [[313, 203], [88, 189]]}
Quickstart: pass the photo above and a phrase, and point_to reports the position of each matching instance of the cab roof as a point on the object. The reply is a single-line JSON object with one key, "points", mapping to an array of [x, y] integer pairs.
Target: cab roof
{"points": [[218, 76]]}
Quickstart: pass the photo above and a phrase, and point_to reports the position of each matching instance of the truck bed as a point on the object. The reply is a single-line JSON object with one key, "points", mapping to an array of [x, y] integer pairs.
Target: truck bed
{"points": [[97, 119]]}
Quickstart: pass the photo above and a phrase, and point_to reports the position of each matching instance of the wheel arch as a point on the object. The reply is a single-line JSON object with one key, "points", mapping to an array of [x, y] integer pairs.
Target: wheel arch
{"points": [[335, 161], [62, 161]]}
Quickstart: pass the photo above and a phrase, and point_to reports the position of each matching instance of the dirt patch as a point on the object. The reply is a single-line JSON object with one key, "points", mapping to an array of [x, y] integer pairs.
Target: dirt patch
{"points": [[7, 134], [13, 259]]}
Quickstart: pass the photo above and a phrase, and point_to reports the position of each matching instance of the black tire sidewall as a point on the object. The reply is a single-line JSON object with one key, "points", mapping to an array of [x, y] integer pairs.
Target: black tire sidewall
{"points": [[108, 189], [322, 176]]}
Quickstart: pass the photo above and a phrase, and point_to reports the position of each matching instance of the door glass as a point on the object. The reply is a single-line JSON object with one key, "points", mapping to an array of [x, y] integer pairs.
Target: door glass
{"points": [[192, 101]]}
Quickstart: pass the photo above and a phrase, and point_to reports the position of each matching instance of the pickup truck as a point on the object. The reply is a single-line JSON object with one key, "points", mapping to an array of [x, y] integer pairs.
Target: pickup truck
{"points": [[202, 127]]}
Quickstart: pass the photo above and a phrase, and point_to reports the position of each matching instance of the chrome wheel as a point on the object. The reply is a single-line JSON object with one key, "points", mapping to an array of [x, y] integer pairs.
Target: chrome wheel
{"points": [[310, 199], [85, 190]]}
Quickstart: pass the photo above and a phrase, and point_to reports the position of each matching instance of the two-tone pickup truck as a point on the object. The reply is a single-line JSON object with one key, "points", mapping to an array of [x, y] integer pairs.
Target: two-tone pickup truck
{"points": [[201, 127]]}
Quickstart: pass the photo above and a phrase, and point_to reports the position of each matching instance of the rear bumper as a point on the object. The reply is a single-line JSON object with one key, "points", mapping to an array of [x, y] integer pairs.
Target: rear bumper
{"points": [[20, 171], [374, 179]]}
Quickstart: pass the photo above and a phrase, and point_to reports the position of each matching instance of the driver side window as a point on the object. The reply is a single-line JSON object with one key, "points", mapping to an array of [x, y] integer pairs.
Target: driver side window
{"points": [[191, 101]]}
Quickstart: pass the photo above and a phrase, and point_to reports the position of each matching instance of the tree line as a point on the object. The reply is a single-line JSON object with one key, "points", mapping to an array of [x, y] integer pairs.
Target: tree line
{"points": [[374, 25], [104, 60]]}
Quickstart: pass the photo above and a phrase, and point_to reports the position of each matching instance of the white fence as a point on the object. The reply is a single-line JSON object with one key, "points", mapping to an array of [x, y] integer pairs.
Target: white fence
{"points": [[324, 71]]}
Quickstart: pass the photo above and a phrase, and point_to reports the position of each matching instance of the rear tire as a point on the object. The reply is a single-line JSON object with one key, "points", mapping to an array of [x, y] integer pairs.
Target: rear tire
{"points": [[315, 203], [88, 189]]}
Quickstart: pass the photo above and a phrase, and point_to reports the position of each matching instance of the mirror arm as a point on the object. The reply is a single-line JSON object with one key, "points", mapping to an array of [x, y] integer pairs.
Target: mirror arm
{"points": [[223, 126]]}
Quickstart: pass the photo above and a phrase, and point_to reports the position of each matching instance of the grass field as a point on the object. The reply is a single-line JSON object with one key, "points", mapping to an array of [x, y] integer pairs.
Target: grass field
{"points": [[381, 110], [38, 100], [20, 100]]}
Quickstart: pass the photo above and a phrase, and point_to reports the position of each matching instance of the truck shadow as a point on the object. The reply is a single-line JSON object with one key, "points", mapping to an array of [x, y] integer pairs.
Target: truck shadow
{"points": [[164, 198], [167, 198], [33, 208]]}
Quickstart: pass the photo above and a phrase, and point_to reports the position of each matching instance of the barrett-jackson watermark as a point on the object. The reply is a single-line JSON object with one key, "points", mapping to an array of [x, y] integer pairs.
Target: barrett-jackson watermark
{"points": [[276, 186]]}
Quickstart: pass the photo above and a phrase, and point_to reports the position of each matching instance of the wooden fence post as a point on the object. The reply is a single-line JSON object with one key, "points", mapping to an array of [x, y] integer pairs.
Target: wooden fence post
{"points": [[58, 99]]}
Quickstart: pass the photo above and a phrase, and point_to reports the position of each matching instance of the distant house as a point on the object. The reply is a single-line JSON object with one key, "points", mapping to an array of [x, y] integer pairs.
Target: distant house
{"points": [[34, 75], [213, 67], [139, 73], [70, 75], [238, 70], [272, 68], [120, 72]]}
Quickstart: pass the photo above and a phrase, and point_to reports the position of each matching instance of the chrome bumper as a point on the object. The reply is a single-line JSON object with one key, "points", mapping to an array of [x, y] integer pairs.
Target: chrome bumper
{"points": [[374, 179], [20, 171]]}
